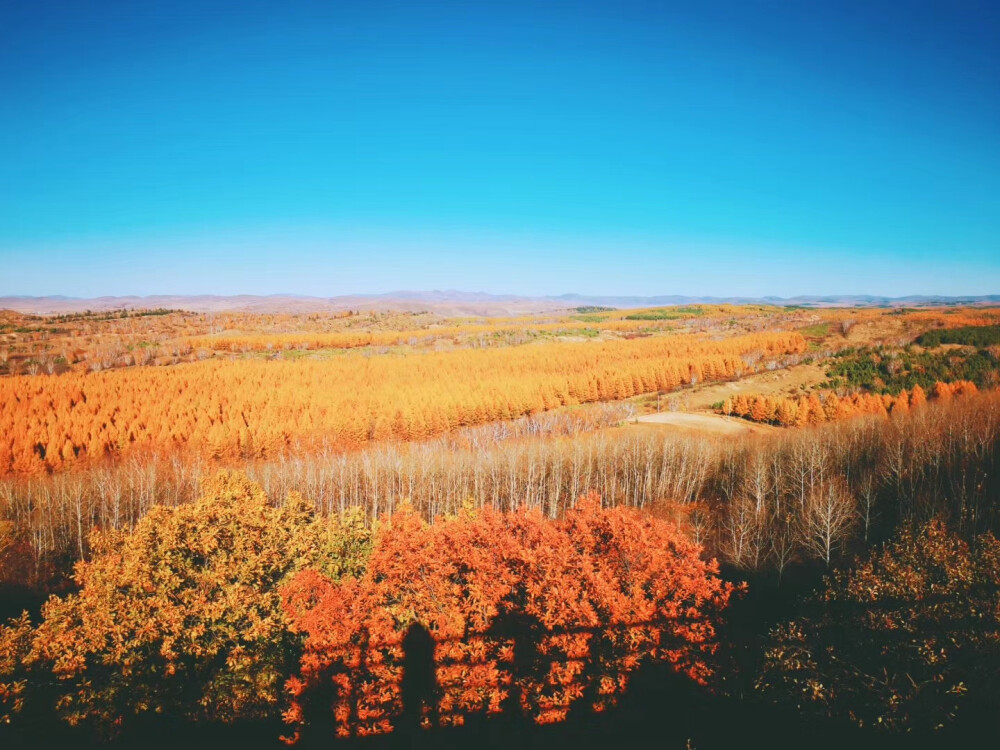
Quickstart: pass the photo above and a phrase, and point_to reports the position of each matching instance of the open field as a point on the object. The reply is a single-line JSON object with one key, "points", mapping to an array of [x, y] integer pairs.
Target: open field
{"points": [[702, 424]]}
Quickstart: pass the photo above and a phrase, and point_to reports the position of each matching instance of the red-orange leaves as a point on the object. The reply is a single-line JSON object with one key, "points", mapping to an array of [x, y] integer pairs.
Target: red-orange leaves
{"points": [[525, 613]]}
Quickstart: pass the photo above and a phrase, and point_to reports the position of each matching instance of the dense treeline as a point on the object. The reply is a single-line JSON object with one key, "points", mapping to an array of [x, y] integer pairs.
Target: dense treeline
{"points": [[883, 370], [37, 345], [978, 336], [353, 339], [253, 409], [207, 612], [239, 607], [44, 345], [816, 408], [761, 503]]}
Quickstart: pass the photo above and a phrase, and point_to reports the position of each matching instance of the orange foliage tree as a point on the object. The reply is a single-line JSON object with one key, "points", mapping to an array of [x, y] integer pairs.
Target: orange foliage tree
{"points": [[811, 410], [180, 616], [527, 614]]}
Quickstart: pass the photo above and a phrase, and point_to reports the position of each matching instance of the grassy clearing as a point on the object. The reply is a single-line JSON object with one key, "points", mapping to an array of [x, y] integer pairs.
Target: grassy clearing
{"points": [[818, 331], [665, 313]]}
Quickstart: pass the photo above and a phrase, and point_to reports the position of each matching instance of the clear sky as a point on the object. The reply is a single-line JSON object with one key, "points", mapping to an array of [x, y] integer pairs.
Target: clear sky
{"points": [[537, 148]]}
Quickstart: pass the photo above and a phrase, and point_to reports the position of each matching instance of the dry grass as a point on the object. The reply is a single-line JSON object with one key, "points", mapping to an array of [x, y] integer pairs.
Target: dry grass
{"points": [[702, 423], [783, 382]]}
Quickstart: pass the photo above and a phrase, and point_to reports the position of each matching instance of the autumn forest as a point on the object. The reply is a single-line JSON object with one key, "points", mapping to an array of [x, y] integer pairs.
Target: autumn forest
{"points": [[366, 526]]}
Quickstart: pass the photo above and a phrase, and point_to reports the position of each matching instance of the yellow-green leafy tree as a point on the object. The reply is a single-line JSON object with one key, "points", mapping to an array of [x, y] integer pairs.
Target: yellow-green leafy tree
{"points": [[180, 616]]}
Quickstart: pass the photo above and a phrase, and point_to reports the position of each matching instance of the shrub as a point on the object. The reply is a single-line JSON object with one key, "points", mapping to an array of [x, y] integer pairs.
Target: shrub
{"points": [[903, 642]]}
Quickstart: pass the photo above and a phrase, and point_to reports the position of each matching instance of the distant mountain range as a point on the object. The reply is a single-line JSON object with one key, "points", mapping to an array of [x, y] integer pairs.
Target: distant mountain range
{"points": [[451, 302]]}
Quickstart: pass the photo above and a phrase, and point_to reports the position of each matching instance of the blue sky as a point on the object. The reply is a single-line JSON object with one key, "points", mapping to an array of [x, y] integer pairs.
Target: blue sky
{"points": [[536, 148]]}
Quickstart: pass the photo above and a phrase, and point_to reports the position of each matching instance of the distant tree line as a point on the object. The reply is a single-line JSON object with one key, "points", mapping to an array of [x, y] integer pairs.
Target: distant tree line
{"points": [[885, 370], [978, 336]]}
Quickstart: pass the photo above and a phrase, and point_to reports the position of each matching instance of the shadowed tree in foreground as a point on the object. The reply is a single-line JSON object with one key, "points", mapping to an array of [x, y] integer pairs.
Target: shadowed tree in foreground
{"points": [[525, 612]]}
